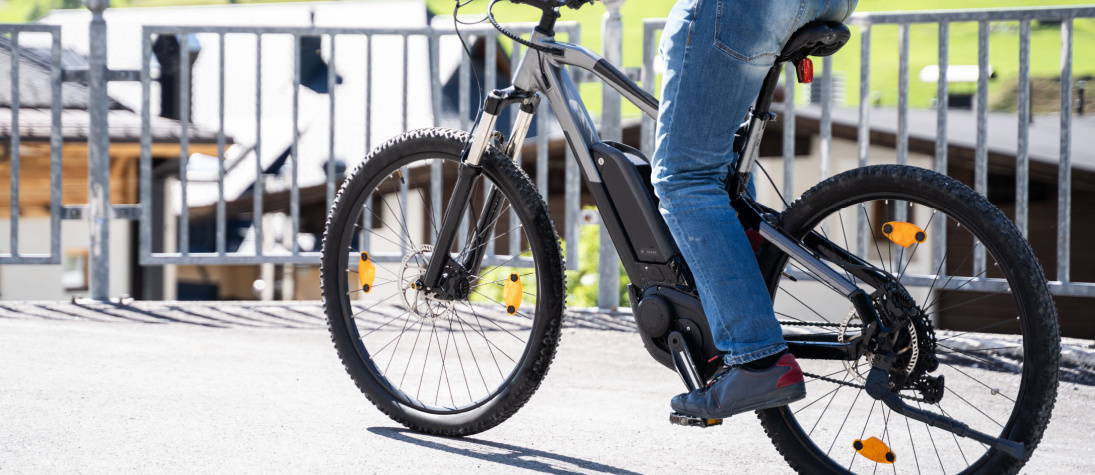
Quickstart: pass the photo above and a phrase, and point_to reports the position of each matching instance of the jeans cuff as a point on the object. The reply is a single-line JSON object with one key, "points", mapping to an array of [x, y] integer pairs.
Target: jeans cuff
{"points": [[734, 360]]}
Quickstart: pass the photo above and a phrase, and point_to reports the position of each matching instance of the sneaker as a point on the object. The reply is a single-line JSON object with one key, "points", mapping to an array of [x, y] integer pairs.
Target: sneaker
{"points": [[740, 389]]}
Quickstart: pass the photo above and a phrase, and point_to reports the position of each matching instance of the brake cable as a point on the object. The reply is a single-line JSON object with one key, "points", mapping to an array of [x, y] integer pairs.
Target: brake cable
{"points": [[513, 36]]}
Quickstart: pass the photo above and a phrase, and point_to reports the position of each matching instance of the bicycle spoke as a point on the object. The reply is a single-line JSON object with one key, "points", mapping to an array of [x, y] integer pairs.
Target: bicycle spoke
{"points": [[429, 344], [928, 429], [370, 332], [886, 436], [460, 321], [912, 441], [490, 232], [460, 360], [410, 356], [845, 421], [499, 281], [978, 409], [993, 391], [968, 350], [870, 228], [915, 247], [844, 233], [811, 403], [980, 359], [385, 299], [963, 452], [826, 408], [834, 373], [489, 343], [354, 291], [931, 302], [803, 321], [956, 289], [804, 305], [967, 302], [816, 278], [397, 342], [979, 329], [500, 303]]}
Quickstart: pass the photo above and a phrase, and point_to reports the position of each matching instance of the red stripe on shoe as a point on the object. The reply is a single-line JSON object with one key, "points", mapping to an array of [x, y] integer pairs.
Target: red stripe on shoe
{"points": [[793, 374]]}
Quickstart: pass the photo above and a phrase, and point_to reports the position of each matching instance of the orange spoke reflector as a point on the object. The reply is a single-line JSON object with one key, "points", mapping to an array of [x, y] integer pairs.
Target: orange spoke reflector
{"points": [[903, 234], [512, 293], [366, 272], [875, 450]]}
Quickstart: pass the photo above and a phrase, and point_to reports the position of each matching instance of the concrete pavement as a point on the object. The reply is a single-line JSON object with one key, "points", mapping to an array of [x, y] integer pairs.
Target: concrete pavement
{"points": [[143, 389]]}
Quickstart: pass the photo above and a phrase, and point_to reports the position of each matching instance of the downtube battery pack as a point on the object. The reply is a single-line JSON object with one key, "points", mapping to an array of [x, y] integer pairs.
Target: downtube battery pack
{"points": [[626, 173]]}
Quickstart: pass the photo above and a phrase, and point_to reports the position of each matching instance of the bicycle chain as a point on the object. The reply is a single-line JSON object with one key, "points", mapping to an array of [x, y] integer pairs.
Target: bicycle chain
{"points": [[820, 324], [834, 380]]}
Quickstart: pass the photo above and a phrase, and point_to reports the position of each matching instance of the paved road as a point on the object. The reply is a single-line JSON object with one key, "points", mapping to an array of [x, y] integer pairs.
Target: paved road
{"points": [[228, 389]]}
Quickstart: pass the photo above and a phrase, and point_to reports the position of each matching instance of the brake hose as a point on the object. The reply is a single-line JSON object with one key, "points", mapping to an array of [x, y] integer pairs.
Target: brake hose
{"points": [[515, 37]]}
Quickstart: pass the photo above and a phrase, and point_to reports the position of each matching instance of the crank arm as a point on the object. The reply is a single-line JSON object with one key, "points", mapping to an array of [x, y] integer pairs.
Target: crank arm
{"points": [[682, 360], [878, 387]]}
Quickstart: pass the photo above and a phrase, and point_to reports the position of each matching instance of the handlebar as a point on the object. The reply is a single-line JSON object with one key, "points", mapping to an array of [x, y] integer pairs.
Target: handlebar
{"points": [[554, 4]]}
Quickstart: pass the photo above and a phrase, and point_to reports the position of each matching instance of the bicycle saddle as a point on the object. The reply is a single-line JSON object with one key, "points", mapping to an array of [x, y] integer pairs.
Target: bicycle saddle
{"points": [[820, 38]]}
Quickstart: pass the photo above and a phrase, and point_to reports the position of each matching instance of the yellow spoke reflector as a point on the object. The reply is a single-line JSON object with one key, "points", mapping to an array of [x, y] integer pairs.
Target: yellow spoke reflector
{"points": [[512, 293], [366, 272], [875, 450], [903, 234]]}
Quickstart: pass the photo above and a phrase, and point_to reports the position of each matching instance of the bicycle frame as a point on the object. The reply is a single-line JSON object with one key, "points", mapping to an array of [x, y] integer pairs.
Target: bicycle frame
{"points": [[618, 179], [627, 207]]}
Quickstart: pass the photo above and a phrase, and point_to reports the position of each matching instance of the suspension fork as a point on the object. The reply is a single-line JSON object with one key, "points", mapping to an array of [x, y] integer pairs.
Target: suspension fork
{"points": [[468, 173], [489, 216]]}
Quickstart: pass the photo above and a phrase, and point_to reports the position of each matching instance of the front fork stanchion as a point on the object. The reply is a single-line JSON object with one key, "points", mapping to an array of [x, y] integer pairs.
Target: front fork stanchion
{"points": [[469, 171], [485, 226], [461, 193]]}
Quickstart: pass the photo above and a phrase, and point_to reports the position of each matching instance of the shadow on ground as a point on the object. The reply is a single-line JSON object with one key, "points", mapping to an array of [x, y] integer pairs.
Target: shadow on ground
{"points": [[501, 453]]}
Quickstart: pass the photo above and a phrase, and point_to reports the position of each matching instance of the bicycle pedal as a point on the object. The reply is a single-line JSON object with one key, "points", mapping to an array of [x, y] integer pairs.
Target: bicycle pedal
{"points": [[679, 419]]}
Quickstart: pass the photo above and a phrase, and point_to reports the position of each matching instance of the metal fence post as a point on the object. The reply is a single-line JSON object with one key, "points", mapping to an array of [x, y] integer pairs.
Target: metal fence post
{"points": [[98, 144], [608, 283]]}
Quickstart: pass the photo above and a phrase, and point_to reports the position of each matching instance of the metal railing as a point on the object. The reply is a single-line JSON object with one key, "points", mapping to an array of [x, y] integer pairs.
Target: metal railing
{"points": [[865, 22], [14, 256], [100, 211], [433, 35]]}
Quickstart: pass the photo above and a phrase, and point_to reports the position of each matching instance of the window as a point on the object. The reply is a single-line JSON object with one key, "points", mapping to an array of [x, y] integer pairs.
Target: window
{"points": [[74, 269]]}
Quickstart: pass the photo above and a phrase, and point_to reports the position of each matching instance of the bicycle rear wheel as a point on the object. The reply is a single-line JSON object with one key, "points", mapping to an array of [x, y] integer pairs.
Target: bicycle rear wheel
{"points": [[999, 383], [441, 365]]}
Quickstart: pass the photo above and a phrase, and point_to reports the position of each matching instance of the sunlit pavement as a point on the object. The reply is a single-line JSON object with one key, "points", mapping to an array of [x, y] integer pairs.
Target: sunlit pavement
{"points": [[230, 388]]}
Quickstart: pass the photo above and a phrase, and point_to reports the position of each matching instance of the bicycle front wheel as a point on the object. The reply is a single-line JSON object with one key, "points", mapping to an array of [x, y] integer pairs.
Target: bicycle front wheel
{"points": [[441, 365], [995, 366]]}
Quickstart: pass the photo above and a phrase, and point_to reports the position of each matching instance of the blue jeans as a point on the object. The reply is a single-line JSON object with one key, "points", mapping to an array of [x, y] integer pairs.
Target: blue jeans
{"points": [[718, 53]]}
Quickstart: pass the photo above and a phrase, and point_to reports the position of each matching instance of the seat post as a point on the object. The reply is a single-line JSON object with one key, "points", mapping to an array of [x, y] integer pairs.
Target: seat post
{"points": [[758, 121], [768, 90]]}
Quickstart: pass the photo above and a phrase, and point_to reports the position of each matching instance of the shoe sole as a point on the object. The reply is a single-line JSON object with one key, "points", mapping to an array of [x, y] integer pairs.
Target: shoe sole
{"points": [[778, 398]]}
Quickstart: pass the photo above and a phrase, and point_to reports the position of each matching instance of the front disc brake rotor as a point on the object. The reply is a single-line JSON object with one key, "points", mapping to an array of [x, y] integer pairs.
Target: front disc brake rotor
{"points": [[419, 301]]}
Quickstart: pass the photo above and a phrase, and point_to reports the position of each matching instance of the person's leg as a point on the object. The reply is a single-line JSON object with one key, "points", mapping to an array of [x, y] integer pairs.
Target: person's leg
{"points": [[718, 52], [716, 62]]}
